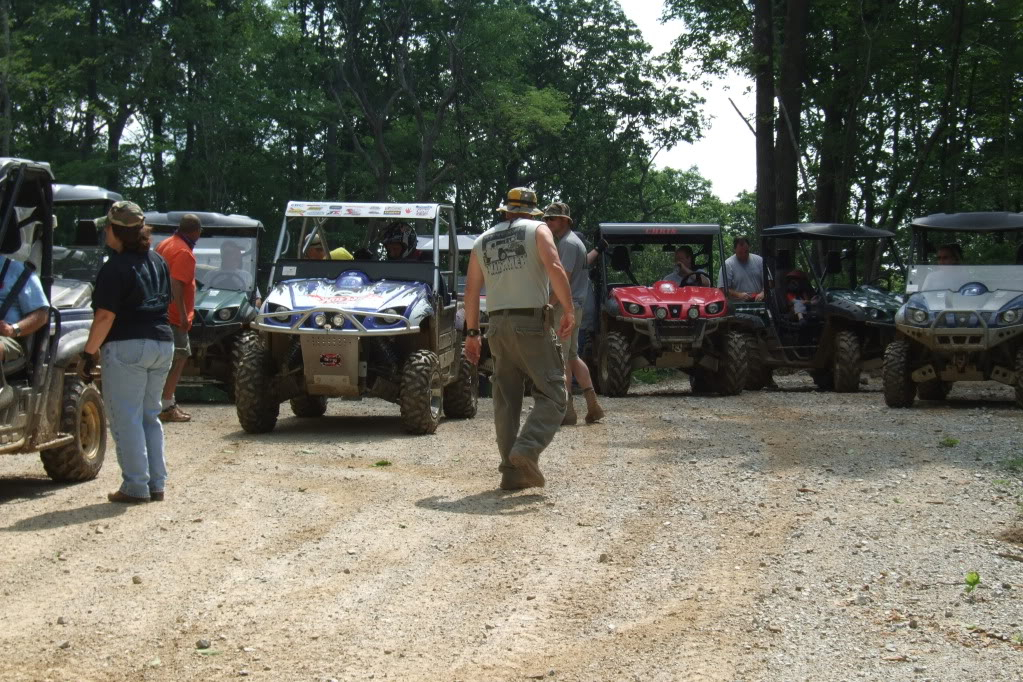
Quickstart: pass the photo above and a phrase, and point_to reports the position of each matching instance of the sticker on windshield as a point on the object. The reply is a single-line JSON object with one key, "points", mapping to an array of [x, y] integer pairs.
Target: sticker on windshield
{"points": [[214, 292], [392, 210], [288, 271]]}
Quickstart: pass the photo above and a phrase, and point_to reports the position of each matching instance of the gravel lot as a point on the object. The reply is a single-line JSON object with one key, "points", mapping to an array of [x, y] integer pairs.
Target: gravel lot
{"points": [[782, 535]]}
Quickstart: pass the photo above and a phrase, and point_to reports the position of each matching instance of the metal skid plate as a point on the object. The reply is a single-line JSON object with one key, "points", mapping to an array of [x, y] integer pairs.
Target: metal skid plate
{"points": [[331, 365]]}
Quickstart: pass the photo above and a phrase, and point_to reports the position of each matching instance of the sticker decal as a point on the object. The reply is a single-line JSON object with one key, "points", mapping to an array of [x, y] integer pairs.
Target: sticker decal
{"points": [[288, 271], [330, 360], [392, 210]]}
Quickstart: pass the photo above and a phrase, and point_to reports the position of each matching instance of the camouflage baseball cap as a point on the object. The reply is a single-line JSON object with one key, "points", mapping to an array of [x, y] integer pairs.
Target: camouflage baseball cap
{"points": [[520, 200], [558, 210], [125, 214]]}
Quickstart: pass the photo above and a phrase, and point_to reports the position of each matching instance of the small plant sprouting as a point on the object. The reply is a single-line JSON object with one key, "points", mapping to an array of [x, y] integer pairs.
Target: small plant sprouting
{"points": [[382, 463], [972, 580], [948, 442], [1014, 465]]}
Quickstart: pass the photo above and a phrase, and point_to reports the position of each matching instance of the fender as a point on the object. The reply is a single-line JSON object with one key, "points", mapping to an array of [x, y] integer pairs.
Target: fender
{"points": [[69, 347], [751, 322]]}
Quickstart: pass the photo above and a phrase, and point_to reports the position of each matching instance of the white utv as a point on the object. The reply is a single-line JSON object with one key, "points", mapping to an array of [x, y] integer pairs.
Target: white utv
{"points": [[963, 316], [359, 327]]}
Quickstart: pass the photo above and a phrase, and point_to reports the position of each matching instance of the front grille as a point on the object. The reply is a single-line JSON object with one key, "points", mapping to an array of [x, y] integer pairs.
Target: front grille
{"points": [[678, 329], [957, 320]]}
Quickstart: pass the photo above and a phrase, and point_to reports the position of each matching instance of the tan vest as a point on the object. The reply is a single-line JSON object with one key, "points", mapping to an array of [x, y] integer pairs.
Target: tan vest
{"points": [[512, 271]]}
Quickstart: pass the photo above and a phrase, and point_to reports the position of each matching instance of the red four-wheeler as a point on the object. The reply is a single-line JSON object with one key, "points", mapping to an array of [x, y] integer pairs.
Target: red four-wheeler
{"points": [[648, 314]]}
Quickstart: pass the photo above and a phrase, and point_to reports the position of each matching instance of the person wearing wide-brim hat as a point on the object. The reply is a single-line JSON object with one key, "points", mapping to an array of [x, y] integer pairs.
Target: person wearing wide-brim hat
{"points": [[132, 332], [518, 262], [573, 257]]}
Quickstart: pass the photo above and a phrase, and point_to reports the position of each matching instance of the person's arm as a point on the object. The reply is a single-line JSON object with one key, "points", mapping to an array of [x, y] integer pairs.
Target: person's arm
{"points": [[28, 324], [178, 296], [548, 252], [101, 325], [471, 301]]}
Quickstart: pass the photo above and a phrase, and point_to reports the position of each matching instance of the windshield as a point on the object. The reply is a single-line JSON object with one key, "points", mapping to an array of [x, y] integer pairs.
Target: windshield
{"points": [[649, 263], [943, 247], [79, 262], [837, 264], [359, 238], [223, 262]]}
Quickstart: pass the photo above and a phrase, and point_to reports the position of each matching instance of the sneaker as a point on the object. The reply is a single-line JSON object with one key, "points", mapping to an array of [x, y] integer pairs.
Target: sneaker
{"points": [[174, 414]]}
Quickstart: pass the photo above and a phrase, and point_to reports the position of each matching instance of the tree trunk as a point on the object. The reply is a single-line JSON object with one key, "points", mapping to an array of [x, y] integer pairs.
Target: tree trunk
{"points": [[792, 74], [763, 52], [7, 125]]}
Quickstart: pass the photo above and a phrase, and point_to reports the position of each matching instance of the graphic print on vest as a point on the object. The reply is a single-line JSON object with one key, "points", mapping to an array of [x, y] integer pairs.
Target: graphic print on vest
{"points": [[504, 250]]}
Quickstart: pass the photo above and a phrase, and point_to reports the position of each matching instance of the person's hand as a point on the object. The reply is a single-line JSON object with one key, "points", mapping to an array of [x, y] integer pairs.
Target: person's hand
{"points": [[758, 297], [472, 347], [567, 322], [602, 246], [6, 329], [87, 366]]}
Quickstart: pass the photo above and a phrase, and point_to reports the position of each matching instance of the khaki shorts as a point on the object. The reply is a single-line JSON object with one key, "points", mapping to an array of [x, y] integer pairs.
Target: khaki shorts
{"points": [[182, 349], [569, 346], [14, 354]]}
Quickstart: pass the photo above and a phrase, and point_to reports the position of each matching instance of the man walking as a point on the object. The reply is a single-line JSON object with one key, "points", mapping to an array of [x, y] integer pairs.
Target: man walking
{"points": [[177, 251], [745, 273], [518, 262], [573, 258]]}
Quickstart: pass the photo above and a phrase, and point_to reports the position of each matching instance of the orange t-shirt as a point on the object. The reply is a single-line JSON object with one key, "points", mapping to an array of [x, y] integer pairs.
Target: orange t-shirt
{"points": [[181, 263]]}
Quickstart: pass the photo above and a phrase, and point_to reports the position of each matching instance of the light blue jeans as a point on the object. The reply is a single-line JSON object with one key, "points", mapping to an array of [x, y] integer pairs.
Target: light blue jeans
{"points": [[134, 371]]}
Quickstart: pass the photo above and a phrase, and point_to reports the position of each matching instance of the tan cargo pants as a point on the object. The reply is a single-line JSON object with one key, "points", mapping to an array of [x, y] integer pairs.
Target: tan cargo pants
{"points": [[523, 346]]}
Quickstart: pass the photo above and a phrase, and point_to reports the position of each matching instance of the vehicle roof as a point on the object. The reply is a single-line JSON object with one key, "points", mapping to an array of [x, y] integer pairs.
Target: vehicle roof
{"points": [[353, 209], [6, 163], [208, 219], [465, 242], [825, 231], [82, 194], [634, 230], [977, 221]]}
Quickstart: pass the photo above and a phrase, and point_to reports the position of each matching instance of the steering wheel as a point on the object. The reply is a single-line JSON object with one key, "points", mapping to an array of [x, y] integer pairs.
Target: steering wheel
{"points": [[230, 278]]}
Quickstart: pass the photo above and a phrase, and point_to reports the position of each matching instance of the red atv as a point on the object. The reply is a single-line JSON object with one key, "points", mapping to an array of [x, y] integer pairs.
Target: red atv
{"points": [[679, 321]]}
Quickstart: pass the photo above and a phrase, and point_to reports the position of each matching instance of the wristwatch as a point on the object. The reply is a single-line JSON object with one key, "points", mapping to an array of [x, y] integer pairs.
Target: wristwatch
{"points": [[472, 332], [17, 330]]}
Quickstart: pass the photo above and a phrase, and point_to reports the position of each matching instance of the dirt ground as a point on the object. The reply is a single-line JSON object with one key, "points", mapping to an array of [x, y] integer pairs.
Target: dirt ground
{"points": [[782, 535]]}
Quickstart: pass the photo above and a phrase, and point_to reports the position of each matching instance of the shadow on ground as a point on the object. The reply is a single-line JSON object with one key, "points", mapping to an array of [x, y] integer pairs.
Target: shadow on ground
{"points": [[486, 503]]}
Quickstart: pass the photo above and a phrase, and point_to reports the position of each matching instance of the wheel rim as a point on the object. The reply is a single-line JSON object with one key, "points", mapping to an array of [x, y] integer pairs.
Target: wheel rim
{"points": [[90, 428]]}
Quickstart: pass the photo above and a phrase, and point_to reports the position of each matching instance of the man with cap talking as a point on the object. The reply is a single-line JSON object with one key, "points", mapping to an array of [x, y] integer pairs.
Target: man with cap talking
{"points": [[177, 251], [518, 262], [573, 259]]}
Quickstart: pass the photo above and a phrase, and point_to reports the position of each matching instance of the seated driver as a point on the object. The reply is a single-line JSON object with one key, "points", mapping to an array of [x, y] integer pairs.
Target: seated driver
{"points": [[231, 273], [683, 274], [314, 250], [950, 254], [25, 310], [400, 241]]}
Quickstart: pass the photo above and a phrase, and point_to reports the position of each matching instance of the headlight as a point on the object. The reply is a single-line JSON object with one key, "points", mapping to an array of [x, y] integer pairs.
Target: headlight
{"points": [[694, 312], [225, 314], [714, 308], [634, 308], [389, 311], [338, 320], [917, 316], [319, 319], [660, 313], [873, 313], [1011, 316], [275, 308]]}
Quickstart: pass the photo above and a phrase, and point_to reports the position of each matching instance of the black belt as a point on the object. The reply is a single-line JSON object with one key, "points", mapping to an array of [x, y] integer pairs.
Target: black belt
{"points": [[516, 311]]}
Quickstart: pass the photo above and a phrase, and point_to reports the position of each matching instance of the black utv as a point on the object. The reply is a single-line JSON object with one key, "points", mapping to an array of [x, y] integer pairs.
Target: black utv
{"points": [[45, 406], [821, 312]]}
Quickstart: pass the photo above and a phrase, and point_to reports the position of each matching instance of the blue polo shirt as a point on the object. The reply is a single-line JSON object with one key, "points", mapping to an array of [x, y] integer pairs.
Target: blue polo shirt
{"points": [[31, 296]]}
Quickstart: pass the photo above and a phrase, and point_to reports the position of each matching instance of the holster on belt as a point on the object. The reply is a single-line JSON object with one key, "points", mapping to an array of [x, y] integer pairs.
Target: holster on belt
{"points": [[548, 317]]}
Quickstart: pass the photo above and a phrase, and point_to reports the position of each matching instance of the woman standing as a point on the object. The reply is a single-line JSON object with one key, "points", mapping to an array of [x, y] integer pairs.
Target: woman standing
{"points": [[130, 300]]}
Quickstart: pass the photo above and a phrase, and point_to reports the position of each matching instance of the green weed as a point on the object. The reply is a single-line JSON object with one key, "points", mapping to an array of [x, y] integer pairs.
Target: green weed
{"points": [[652, 375], [948, 442], [382, 463], [972, 580]]}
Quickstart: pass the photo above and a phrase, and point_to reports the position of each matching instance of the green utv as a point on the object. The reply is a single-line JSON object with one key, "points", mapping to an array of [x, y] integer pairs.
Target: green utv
{"points": [[963, 318], [45, 406], [820, 312], [226, 298]]}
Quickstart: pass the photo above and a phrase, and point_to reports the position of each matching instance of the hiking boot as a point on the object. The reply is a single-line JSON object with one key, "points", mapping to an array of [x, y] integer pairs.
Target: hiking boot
{"points": [[529, 470], [594, 413], [570, 418], [175, 414], [513, 479], [118, 496]]}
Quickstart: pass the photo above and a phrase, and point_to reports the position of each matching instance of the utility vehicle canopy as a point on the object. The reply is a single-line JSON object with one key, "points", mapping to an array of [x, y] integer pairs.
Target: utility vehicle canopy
{"points": [[228, 224], [971, 222], [660, 233], [824, 231], [69, 195], [332, 209]]}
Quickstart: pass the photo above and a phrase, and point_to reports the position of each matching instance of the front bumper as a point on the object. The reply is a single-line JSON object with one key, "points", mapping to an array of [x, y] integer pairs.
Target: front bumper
{"points": [[676, 335], [354, 323], [953, 331]]}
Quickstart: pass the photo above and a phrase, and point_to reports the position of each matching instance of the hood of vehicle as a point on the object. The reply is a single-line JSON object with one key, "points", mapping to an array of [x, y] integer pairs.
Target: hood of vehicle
{"points": [[345, 293], [954, 300], [866, 296], [213, 299], [665, 293], [953, 277], [70, 293]]}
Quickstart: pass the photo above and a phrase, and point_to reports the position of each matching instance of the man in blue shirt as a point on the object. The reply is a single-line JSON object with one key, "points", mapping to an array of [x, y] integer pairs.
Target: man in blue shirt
{"points": [[27, 313]]}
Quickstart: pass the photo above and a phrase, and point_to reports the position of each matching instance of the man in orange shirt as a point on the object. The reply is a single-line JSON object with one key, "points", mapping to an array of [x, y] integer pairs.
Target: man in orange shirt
{"points": [[177, 251]]}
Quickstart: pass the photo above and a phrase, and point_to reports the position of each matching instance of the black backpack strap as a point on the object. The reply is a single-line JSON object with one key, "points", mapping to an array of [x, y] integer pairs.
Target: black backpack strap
{"points": [[12, 295]]}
